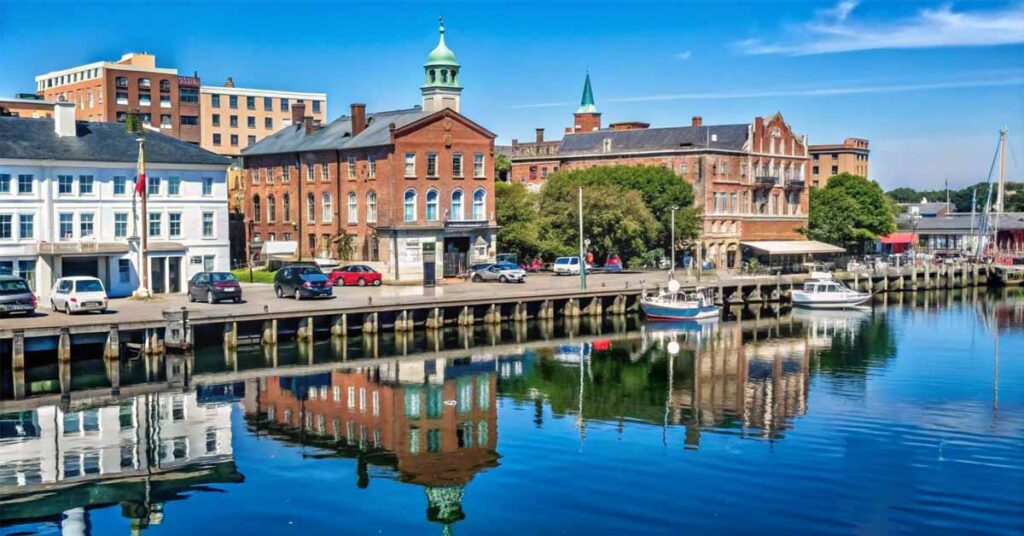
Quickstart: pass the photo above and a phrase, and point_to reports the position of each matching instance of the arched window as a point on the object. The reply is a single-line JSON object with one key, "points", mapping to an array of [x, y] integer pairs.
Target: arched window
{"points": [[286, 200], [371, 207], [410, 205], [310, 208], [433, 76], [480, 204], [432, 196], [444, 76], [271, 209], [457, 213], [257, 209], [326, 208], [353, 208]]}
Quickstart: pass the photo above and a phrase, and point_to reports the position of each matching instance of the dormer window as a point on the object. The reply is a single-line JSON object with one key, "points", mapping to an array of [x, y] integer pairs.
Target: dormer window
{"points": [[607, 147]]}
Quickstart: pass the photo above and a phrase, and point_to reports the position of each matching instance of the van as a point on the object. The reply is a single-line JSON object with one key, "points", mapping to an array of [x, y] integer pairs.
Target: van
{"points": [[567, 266]]}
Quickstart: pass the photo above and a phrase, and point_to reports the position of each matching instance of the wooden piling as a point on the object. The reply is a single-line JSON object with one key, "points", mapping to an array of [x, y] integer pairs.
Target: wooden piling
{"points": [[269, 332]]}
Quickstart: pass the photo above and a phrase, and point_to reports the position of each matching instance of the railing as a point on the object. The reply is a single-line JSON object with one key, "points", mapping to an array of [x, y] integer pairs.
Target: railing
{"points": [[465, 223], [766, 180]]}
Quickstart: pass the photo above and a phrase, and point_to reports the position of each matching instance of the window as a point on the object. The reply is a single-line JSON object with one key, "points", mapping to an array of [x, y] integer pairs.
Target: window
{"points": [[432, 197], [371, 207], [216, 139], [256, 209], [121, 97], [26, 226], [207, 186], [814, 170], [325, 172], [215, 103], [124, 270], [250, 122], [316, 106], [410, 164], [173, 185], [233, 121], [268, 105], [153, 186], [121, 81], [410, 205], [6, 232], [66, 225], [310, 208], [120, 224], [353, 208], [5, 183], [190, 120], [310, 172], [188, 96], [254, 175], [25, 184], [208, 225], [120, 185], [234, 140], [65, 184], [478, 165], [835, 170], [174, 224], [268, 123], [284, 105], [351, 170], [457, 214], [327, 208], [271, 209], [479, 199], [431, 164], [85, 184], [251, 140], [85, 225], [250, 103], [371, 166], [286, 201], [268, 174], [216, 120], [165, 86], [233, 102], [457, 165], [144, 99], [155, 224], [286, 173]]}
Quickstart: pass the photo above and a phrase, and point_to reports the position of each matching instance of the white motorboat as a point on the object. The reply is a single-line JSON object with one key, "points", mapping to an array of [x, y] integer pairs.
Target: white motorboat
{"points": [[821, 291], [675, 304]]}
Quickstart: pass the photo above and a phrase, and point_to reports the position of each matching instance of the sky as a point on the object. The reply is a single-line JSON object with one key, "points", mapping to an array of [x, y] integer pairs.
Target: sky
{"points": [[928, 83]]}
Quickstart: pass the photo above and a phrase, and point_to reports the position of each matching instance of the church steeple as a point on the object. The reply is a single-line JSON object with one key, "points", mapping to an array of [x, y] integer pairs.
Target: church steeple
{"points": [[587, 102], [586, 118], [442, 87]]}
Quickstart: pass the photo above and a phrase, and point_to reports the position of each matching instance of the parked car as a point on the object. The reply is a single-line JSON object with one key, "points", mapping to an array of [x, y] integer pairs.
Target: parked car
{"points": [[78, 295], [499, 271], [301, 281], [568, 266], [16, 296], [214, 287], [356, 274]]}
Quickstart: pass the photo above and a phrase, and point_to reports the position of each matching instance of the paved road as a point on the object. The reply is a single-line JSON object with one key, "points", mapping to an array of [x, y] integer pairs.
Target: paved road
{"points": [[260, 296]]}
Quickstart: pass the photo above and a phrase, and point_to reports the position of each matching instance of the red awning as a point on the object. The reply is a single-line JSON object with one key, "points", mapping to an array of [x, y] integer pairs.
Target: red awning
{"points": [[899, 238]]}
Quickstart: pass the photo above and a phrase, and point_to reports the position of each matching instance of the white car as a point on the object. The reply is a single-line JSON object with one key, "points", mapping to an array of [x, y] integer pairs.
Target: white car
{"points": [[78, 294], [568, 266]]}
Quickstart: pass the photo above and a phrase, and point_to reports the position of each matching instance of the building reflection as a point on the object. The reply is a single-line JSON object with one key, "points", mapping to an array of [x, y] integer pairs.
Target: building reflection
{"points": [[433, 422], [139, 453]]}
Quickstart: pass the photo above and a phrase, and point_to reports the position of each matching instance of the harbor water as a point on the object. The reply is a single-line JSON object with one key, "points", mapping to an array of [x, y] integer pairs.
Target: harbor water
{"points": [[906, 416]]}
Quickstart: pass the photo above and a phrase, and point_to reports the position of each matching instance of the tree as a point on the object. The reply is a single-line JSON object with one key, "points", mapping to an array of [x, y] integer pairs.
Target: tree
{"points": [[518, 215], [133, 124], [502, 166], [849, 209]]}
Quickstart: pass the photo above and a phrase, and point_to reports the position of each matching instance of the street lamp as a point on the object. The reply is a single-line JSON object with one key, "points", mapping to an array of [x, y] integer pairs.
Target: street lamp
{"points": [[672, 246]]}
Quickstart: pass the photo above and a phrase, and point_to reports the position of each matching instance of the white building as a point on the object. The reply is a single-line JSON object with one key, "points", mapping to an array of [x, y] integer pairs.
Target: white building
{"points": [[67, 207]]}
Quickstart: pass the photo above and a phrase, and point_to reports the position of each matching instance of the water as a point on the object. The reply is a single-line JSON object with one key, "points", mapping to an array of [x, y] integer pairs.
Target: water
{"points": [[901, 419]]}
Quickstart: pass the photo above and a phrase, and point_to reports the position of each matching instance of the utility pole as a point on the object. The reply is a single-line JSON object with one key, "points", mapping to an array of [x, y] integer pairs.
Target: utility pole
{"points": [[583, 255], [672, 246]]}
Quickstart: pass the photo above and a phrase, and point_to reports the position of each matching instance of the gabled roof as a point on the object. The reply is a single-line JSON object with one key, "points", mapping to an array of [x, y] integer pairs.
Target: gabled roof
{"points": [[35, 139], [726, 137]]}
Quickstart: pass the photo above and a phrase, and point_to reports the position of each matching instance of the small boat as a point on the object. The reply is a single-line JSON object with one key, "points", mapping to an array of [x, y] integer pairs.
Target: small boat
{"points": [[676, 304], [821, 291]]}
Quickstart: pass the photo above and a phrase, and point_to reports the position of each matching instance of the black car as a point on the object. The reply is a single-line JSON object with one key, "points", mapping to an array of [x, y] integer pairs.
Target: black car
{"points": [[301, 281], [213, 287]]}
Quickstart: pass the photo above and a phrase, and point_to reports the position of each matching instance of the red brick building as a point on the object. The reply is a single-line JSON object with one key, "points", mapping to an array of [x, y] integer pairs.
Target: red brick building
{"points": [[107, 91], [748, 178], [395, 186]]}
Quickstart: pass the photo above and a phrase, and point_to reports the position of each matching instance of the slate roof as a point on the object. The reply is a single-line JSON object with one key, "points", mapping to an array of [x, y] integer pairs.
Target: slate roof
{"points": [[35, 139], [961, 221], [337, 134], [928, 210], [728, 137]]}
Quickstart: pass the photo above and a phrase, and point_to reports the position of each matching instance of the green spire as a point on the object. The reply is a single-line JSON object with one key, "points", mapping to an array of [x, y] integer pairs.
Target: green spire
{"points": [[441, 55], [587, 102]]}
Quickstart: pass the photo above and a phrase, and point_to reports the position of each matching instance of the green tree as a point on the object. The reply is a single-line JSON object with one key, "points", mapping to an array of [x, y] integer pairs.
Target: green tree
{"points": [[518, 215], [850, 209], [133, 124], [502, 166]]}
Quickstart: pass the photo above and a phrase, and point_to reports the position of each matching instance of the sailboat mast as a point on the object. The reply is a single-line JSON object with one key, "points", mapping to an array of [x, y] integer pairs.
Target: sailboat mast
{"points": [[1002, 170]]}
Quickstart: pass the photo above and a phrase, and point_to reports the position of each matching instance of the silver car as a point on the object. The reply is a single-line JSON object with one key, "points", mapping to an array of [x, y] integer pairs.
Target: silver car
{"points": [[16, 296], [78, 294], [502, 271]]}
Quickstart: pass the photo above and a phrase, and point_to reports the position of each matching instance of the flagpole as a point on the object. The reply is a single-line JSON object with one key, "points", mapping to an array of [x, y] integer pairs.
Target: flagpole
{"points": [[141, 189]]}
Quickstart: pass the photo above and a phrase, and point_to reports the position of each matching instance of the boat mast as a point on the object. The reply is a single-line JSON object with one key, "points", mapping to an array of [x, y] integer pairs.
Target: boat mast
{"points": [[1000, 192]]}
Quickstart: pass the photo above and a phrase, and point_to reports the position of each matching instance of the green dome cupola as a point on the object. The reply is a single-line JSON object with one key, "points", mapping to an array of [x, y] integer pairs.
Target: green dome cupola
{"points": [[442, 85]]}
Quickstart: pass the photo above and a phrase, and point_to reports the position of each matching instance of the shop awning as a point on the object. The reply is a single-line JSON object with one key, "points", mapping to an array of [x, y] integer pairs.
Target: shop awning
{"points": [[898, 238], [792, 247], [279, 248]]}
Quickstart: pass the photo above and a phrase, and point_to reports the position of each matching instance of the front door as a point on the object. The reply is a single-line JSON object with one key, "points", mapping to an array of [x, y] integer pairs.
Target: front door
{"points": [[158, 267], [174, 274]]}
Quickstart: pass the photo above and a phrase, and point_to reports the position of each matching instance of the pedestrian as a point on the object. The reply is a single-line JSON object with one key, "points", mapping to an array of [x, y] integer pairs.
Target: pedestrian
{"points": [[590, 258]]}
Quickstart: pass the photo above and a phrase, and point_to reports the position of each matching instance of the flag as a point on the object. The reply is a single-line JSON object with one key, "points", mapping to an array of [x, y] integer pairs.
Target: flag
{"points": [[140, 182]]}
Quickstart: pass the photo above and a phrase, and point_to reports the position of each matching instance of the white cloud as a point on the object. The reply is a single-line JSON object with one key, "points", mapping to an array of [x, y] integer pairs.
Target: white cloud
{"points": [[685, 55], [834, 30]]}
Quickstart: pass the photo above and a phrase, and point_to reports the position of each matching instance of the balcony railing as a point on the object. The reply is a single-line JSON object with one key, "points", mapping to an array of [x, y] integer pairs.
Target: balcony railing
{"points": [[795, 184], [766, 181]]}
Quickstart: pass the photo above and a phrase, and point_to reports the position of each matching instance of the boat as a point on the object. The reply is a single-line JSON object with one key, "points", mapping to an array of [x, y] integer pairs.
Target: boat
{"points": [[677, 304], [822, 291]]}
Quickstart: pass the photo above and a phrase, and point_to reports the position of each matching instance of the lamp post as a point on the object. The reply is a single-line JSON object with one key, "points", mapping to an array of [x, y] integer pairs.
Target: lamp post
{"points": [[672, 246], [915, 215], [583, 254]]}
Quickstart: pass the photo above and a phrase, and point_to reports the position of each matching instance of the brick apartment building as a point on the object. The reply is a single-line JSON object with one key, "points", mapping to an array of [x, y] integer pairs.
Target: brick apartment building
{"points": [[398, 186], [749, 178], [107, 91], [851, 156]]}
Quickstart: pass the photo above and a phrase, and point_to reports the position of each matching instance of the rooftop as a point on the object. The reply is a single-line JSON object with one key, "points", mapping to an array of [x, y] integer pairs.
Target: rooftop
{"points": [[337, 134], [721, 137]]}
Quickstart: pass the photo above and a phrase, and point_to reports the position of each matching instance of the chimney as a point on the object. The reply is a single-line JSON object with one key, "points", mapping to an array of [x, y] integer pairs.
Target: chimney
{"points": [[64, 118], [307, 124], [230, 82], [540, 135], [697, 121], [298, 112], [358, 111]]}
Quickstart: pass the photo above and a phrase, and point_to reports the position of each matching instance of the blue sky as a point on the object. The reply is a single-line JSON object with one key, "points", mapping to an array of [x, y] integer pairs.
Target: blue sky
{"points": [[928, 83]]}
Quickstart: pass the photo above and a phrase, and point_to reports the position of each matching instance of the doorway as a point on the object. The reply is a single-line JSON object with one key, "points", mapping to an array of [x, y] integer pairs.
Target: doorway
{"points": [[456, 250], [80, 266], [174, 274], [157, 272]]}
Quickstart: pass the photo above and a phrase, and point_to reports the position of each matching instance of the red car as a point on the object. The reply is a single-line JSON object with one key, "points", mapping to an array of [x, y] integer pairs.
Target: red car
{"points": [[357, 274]]}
